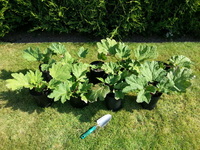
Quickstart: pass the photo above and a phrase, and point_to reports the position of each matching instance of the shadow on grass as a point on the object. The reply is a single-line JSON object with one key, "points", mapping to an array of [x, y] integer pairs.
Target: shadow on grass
{"points": [[4, 74], [23, 101], [130, 103], [20, 101], [85, 114]]}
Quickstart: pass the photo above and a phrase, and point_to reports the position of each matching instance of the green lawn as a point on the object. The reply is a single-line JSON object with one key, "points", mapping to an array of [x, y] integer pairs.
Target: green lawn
{"points": [[174, 124]]}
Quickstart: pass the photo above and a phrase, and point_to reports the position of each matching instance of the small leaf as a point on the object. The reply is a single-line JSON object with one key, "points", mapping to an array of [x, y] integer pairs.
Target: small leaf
{"points": [[57, 48], [102, 56], [99, 92], [31, 54], [122, 51], [82, 52], [110, 67], [107, 46], [46, 67], [118, 94], [53, 84], [180, 60], [79, 70], [145, 52], [112, 79], [67, 58], [19, 81], [143, 97]]}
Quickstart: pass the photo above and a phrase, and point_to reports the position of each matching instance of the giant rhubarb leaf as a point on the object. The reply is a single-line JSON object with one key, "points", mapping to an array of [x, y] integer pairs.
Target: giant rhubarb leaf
{"points": [[98, 92], [67, 58], [62, 92], [152, 71], [144, 95], [35, 79], [181, 61], [57, 48], [79, 70], [110, 67], [19, 81], [31, 54], [122, 51], [135, 83], [145, 52], [60, 72], [107, 46], [82, 52], [179, 79]]}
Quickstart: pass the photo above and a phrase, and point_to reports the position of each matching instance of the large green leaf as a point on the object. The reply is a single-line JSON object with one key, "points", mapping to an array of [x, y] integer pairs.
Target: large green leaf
{"points": [[31, 54], [83, 90], [143, 96], [112, 79], [111, 67], [99, 92], [152, 71], [121, 85], [107, 46], [35, 80], [180, 60], [67, 58], [57, 48], [179, 79], [62, 92], [19, 81], [84, 87], [119, 94], [47, 66], [79, 70], [145, 52], [60, 72], [135, 83], [122, 51], [53, 83], [82, 52]]}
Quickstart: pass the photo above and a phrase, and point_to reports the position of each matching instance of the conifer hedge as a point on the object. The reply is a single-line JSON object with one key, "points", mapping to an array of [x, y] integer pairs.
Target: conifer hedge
{"points": [[103, 18]]}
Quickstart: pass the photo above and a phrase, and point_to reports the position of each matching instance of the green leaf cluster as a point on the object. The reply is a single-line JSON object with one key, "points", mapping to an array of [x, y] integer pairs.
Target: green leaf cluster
{"points": [[154, 79], [109, 47], [29, 80], [45, 58], [73, 82], [70, 78], [180, 61]]}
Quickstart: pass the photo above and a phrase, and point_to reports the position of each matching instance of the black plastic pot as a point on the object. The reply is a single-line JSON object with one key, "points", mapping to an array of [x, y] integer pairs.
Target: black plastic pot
{"points": [[153, 102], [41, 98], [45, 74], [77, 102], [112, 103], [96, 73]]}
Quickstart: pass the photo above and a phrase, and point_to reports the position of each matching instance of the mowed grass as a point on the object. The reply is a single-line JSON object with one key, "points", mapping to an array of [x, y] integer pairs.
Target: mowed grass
{"points": [[173, 124]]}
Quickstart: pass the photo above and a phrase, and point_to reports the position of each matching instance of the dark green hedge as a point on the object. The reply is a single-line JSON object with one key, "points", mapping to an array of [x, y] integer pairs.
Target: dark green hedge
{"points": [[102, 17]]}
